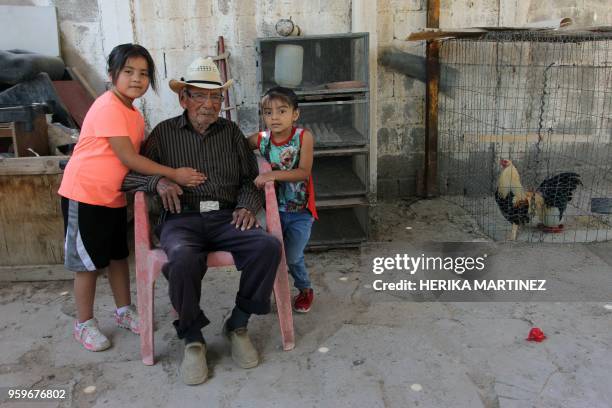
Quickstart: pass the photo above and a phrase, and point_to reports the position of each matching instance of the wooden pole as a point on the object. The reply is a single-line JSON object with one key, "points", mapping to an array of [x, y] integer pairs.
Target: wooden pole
{"points": [[431, 101], [223, 69]]}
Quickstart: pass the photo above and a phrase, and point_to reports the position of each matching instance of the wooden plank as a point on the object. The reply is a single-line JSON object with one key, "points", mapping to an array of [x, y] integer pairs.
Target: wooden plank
{"points": [[430, 171], [75, 73], [431, 35], [31, 165], [32, 273], [76, 98], [431, 120], [31, 222], [433, 13], [37, 139]]}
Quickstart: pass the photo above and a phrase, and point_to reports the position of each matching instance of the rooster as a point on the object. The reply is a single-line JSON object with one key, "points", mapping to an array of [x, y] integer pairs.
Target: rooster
{"points": [[552, 196], [513, 201], [549, 201]]}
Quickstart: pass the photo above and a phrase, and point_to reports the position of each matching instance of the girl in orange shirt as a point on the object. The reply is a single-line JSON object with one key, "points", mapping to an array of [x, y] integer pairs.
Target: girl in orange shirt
{"points": [[94, 208]]}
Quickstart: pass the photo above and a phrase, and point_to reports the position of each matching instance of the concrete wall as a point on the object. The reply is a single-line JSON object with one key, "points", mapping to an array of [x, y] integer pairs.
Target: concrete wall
{"points": [[178, 31]]}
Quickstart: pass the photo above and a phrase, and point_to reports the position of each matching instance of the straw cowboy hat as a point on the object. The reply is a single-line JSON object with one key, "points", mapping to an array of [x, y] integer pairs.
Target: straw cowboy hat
{"points": [[202, 73]]}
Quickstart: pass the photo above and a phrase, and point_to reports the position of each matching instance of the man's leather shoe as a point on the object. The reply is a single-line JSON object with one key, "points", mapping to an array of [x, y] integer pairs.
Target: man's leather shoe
{"points": [[243, 351], [193, 368]]}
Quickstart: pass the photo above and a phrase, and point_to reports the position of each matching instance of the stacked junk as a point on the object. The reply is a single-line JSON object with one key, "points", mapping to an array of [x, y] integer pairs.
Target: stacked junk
{"points": [[42, 105]]}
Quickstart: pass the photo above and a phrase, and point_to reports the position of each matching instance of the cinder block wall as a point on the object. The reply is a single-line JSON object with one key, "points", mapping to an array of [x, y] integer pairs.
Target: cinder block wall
{"points": [[177, 31]]}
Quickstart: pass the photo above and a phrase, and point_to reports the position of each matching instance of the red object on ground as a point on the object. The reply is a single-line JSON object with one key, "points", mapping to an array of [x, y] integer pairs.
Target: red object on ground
{"points": [[536, 334], [149, 261]]}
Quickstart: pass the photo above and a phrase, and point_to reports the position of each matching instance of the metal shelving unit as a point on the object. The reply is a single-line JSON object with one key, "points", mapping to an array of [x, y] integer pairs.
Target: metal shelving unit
{"points": [[334, 105]]}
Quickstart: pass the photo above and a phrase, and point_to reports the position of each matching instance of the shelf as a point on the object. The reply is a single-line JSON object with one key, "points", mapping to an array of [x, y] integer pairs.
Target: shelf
{"points": [[327, 203], [305, 92], [336, 176], [328, 136], [339, 227], [317, 93], [340, 151], [333, 90], [325, 59], [335, 125]]}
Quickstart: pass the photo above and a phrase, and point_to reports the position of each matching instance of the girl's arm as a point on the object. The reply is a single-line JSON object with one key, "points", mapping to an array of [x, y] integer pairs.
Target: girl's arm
{"points": [[302, 172], [253, 141], [123, 148]]}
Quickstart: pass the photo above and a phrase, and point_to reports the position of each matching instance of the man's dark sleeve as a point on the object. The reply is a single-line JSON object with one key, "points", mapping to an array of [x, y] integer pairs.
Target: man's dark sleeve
{"points": [[138, 182], [249, 196]]}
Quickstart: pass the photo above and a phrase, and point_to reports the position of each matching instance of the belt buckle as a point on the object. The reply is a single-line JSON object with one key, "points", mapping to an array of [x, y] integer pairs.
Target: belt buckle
{"points": [[206, 206]]}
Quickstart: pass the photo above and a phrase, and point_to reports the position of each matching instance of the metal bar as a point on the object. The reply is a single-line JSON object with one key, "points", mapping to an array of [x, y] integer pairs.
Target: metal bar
{"points": [[349, 102]]}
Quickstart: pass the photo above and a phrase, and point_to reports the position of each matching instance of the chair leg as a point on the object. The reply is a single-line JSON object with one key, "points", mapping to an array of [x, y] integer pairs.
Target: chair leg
{"points": [[145, 289], [283, 305]]}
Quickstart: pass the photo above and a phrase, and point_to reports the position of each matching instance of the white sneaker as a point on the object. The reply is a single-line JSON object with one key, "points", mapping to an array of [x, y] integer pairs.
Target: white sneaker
{"points": [[90, 336], [129, 319]]}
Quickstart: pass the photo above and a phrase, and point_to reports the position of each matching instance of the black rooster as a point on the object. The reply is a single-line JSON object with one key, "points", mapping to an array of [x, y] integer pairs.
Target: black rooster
{"points": [[553, 195]]}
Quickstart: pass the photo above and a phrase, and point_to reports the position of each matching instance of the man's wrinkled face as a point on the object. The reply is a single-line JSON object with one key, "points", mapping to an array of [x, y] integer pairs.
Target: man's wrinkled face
{"points": [[203, 105]]}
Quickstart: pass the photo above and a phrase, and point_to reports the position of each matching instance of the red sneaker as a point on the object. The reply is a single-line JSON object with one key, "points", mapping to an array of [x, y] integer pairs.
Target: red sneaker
{"points": [[303, 301]]}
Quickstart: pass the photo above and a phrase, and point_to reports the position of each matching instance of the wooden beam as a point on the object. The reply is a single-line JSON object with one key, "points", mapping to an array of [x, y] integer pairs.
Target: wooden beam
{"points": [[32, 273], [31, 165], [433, 14], [431, 102]]}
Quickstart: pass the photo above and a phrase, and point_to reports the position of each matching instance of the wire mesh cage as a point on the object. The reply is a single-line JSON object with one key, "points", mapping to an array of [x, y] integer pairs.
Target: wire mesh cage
{"points": [[525, 133]]}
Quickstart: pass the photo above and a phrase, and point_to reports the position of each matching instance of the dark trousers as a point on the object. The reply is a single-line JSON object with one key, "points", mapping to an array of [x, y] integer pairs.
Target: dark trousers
{"points": [[188, 238]]}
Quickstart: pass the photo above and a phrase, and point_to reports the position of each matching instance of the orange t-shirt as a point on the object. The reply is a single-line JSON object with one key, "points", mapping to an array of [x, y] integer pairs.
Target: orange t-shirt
{"points": [[94, 173]]}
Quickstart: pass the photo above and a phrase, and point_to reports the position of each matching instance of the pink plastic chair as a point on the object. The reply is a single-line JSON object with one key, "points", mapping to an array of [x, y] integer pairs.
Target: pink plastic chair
{"points": [[149, 262]]}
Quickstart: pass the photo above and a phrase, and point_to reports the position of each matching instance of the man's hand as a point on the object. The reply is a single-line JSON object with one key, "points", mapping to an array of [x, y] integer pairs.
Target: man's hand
{"points": [[169, 193], [261, 180], [244, 219]]}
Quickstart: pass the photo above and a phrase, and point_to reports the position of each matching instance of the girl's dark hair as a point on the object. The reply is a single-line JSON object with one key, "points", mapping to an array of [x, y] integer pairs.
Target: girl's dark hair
{"points": [[284, 94], [119, 56]]}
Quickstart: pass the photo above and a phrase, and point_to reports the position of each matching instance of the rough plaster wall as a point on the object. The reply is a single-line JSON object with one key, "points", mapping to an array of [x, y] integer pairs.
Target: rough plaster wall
{"points": [[401, 101], [176, 32]]}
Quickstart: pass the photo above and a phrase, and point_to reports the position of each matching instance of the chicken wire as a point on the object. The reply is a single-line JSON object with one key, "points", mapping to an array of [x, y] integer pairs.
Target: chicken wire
{"points": [[542, 100]]}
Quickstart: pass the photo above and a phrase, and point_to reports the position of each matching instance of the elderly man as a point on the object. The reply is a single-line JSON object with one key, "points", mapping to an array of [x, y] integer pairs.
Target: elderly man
{"points": [[217, 215]]}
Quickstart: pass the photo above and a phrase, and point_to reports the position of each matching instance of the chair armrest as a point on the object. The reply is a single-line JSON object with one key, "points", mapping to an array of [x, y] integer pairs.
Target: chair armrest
{"points": [[273, 224], [263, 165], [142, 228]]}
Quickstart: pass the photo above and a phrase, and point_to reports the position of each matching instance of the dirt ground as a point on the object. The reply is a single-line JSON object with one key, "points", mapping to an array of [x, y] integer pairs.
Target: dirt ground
{"points": [[356, 348]]}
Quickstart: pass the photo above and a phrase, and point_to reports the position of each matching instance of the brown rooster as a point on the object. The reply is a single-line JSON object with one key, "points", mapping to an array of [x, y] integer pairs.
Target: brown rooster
{"points": [[512, 199]]}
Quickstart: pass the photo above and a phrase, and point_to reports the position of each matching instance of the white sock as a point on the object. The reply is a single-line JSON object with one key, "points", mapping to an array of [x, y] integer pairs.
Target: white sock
{"points": [[122, 310]]}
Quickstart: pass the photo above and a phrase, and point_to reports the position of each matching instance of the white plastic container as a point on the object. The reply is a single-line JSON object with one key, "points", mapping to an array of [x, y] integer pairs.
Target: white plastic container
{"points": [[288, 64]]}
